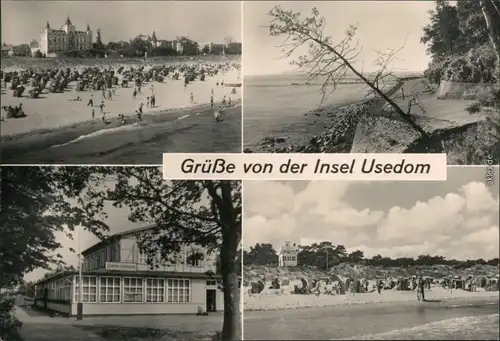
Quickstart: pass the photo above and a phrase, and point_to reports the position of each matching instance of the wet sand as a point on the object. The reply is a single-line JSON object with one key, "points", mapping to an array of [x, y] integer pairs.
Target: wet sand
{"points": [[187, 130]]}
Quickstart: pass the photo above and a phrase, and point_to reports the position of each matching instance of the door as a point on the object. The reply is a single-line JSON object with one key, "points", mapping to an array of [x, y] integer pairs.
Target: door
{"points": [[211, 300]]}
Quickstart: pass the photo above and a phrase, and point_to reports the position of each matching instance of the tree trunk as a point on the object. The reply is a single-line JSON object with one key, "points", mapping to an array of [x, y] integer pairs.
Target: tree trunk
{"points": [[407, 118], [493, 31], [231, 329]]}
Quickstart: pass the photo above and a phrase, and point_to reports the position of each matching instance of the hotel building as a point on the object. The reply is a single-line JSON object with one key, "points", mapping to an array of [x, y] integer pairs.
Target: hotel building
{"points": [[116, 280]]}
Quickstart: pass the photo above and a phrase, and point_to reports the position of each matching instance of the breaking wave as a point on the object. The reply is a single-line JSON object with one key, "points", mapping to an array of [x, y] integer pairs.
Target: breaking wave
{"points": [[128, 127], [485, 327]]}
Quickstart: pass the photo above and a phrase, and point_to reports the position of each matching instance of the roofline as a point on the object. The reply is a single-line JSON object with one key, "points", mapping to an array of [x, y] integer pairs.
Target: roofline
{"points": [[145, 274], [115, 237]]}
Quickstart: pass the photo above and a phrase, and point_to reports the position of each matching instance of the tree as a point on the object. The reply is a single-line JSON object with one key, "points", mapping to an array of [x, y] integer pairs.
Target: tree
{"points": [[331, 62], [355, 256], [261, 254], [34, 207], [491, 13], [98, 40], [207, 213], [443, 33], [190, 47]]}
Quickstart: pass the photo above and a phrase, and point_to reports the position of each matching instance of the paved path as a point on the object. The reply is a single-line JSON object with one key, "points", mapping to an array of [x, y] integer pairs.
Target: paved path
{"points": [[40, 327]]}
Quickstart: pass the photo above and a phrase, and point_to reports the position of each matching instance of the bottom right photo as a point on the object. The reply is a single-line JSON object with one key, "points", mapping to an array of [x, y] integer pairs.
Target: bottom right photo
{"points": [[329, 260]]}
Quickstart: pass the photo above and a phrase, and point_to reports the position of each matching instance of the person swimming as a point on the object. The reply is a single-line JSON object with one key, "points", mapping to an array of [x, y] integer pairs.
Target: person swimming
{"points": [[217, 114]]}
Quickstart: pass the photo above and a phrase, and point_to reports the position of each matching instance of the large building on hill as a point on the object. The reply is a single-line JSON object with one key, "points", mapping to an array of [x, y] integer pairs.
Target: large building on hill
{"points": [[117, 280], [287, 254], [67, 38]]}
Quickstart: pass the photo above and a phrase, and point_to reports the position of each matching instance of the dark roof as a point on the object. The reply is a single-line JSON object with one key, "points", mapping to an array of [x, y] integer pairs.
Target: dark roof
{"points": [[151, 274], [116, 237]]}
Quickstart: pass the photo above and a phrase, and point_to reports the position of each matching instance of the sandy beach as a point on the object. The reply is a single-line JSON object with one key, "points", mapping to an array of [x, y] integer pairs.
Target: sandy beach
{"points": [[58, 128], [276, 301]]}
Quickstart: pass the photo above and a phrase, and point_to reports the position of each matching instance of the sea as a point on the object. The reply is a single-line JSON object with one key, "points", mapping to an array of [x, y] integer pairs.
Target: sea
{"points": [[273, 107], [194, 132], [405, 321]]}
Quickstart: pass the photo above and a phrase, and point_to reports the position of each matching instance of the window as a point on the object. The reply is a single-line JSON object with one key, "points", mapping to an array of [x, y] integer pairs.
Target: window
{"points": [[102, 262], [109, 290], [155, 290], [109, 253], [212, 282], [178, 290], [117, 252], [142, 257], [132, 289], [194, 257], [89, 289]]}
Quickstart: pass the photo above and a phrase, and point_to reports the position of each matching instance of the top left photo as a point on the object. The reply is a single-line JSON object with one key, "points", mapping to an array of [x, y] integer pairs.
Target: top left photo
{"points": [[115, 82]]}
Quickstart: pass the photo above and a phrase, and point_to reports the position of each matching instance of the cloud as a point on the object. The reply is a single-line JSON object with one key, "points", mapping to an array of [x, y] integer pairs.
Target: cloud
{"points": [[461, 223]]}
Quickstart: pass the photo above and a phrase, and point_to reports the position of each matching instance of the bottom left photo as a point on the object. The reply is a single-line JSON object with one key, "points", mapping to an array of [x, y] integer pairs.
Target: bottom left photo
{"points": [[118, 253]]}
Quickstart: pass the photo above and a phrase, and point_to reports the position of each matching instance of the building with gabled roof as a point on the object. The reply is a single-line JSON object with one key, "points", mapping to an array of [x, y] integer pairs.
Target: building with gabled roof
{"points": [[117, 279]]}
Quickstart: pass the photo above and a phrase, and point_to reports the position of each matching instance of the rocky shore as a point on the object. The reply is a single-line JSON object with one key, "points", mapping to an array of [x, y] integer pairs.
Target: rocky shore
{"points": [[340, 127]]}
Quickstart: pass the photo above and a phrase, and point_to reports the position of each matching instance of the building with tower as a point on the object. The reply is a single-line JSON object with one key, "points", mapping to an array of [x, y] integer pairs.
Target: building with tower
{"points": [[67, 38], [287, 255]]}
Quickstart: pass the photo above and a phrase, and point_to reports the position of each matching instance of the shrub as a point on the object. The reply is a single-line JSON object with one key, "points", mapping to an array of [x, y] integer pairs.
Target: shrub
{"points": [[9, 324], [473, 108], [477, 66]]}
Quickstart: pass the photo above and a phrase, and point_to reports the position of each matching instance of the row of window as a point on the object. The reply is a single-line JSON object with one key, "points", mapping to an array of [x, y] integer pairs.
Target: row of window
{"points": [[289, 258], [111, 253], [133, 290]]}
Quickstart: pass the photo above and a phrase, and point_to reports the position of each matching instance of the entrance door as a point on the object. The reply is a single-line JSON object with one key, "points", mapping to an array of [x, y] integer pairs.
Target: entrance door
{"points": [[211, 300]]}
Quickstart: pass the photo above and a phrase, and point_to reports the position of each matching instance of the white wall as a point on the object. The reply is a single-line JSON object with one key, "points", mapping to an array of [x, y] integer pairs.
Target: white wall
{"points": [[198, 299], [62, 308]]}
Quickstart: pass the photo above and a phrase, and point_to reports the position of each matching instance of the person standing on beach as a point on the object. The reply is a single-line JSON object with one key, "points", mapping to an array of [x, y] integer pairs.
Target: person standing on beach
{"points": [[153, 101], [229, 102], [102, 107], [147, 102], [91, 100], [211, 101], [191, 98], [224, 100], [110, 96], [134, 94]]}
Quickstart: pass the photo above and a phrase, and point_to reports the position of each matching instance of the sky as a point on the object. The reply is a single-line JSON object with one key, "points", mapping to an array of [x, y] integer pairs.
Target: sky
{"points": [[202, 21], [382, 25], [117, 222], [82, 239], [457, 218]]}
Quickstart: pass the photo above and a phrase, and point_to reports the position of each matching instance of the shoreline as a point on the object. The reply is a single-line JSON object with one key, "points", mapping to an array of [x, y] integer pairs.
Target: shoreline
{"points": [[486, 297], [328, 117], [43, 139]]}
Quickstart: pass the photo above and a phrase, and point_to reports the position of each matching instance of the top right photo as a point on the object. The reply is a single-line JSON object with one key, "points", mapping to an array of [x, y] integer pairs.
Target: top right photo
{"points": [[373, 77]]}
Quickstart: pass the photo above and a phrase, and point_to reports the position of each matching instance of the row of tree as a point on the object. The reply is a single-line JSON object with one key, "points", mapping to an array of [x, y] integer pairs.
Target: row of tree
{"points": [[463, 40], [37, 202], [324, 255]]}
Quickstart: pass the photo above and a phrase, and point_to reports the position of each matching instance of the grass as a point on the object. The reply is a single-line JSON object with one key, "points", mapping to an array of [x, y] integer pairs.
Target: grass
{"points": [[112, 333]]}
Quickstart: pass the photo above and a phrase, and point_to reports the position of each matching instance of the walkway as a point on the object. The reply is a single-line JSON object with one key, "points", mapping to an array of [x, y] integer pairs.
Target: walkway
{"points": [[40, 327]]}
